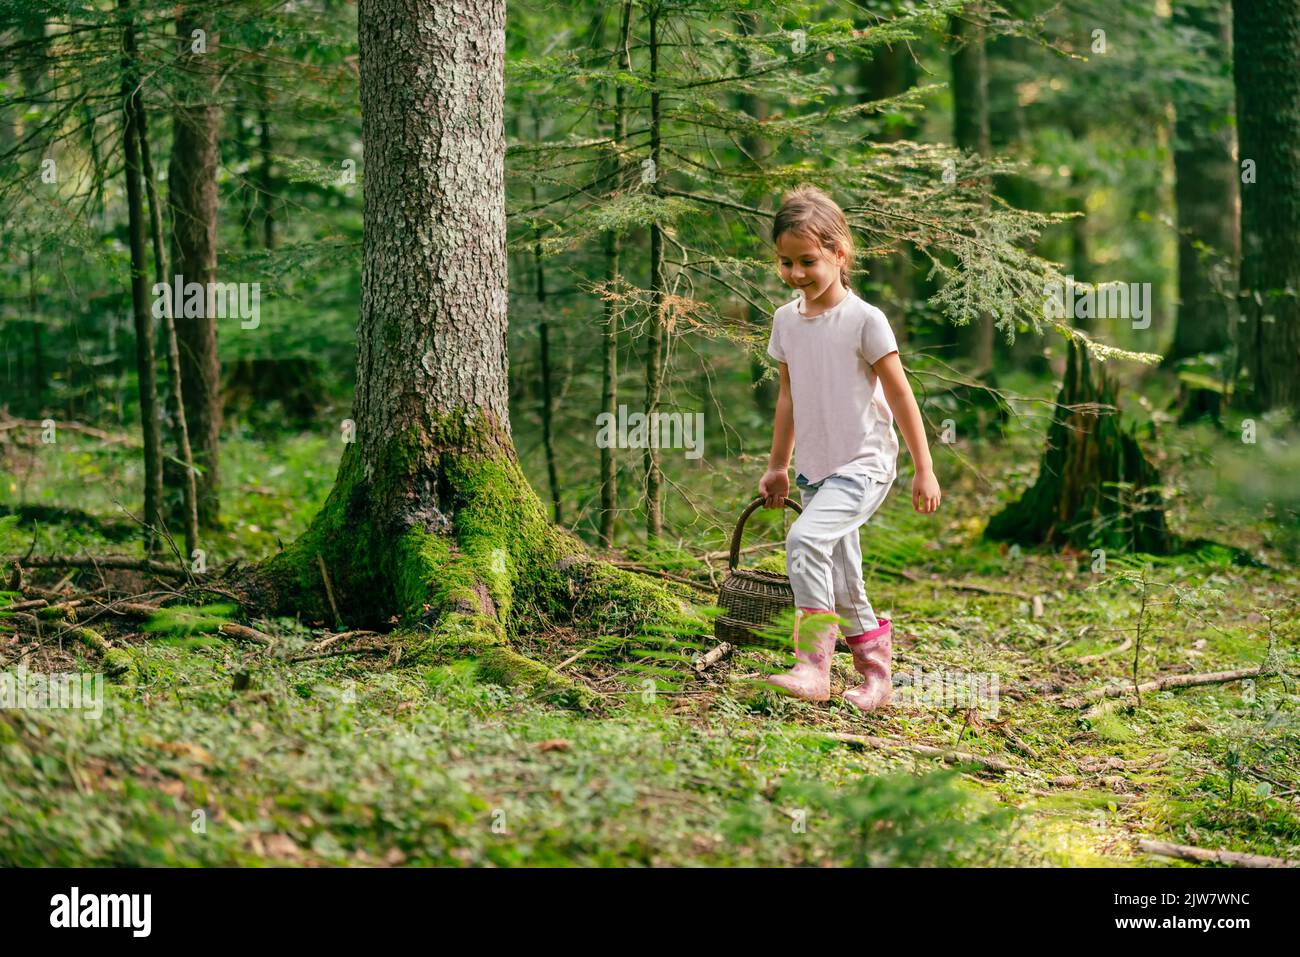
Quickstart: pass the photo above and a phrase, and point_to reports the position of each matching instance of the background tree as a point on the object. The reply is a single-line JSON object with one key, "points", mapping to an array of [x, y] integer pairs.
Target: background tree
{"points": [[1266, 46], [1205, 194]]}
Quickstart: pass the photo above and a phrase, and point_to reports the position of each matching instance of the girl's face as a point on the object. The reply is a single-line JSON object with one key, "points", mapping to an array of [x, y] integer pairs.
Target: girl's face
{"points": [[805, 265]]}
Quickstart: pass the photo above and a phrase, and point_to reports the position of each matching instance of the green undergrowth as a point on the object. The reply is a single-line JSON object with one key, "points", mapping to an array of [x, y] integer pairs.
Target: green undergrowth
{"points": [[317, 764], [469, 751]]}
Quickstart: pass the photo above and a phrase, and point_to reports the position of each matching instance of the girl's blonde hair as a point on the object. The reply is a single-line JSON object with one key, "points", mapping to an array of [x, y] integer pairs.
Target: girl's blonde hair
{"points": [[807, 211]]}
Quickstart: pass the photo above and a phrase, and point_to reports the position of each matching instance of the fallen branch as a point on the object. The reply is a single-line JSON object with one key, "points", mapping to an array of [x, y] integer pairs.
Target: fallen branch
{"points": [[950, 755], [1015, 741], [244, 633], [89, 637], [9, 424], [660, 573], [1188, 853], [25, 605], [61, 611], [335, 639], [706, 661], [121, 562], [1168, 681], [329, 589], [571, 659]]}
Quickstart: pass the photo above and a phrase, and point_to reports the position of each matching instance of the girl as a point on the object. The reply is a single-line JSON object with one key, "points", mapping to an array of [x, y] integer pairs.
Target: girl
{"points": [[842, 385]]}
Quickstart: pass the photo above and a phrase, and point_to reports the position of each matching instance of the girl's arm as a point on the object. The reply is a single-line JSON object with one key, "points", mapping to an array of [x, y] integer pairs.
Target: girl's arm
{"points": [[925, 487], [775, 483]]}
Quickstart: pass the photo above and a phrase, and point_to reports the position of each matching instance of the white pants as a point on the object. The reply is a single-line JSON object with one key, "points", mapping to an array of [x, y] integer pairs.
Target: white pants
{"points": [[823, 555]]}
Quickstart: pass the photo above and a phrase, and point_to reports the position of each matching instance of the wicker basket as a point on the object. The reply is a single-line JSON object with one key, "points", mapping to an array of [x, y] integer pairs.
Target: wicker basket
{"points": [[750, 597]]}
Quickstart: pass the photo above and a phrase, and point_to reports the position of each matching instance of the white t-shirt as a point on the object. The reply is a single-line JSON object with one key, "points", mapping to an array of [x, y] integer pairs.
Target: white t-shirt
{"points": [[842, 422]]}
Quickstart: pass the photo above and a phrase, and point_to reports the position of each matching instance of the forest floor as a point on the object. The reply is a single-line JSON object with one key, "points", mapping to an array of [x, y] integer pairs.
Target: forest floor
{"points": [[211, 751]]}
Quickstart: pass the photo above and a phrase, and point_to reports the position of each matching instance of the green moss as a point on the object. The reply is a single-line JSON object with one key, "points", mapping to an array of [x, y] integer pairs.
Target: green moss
{"points": [[509, 668], [119, 663], [480, 565]]}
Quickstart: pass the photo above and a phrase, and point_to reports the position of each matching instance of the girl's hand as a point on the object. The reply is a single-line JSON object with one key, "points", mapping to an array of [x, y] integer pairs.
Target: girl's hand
{"points": [[774, 486], [925, 492]]}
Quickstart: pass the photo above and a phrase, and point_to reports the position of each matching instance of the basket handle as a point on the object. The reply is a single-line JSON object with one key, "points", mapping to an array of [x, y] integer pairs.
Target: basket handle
{"points": [[734, 558]]}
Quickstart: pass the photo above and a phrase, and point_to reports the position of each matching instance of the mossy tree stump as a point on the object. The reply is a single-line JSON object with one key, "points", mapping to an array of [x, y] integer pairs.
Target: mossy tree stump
{"points": [[1095, 487]]}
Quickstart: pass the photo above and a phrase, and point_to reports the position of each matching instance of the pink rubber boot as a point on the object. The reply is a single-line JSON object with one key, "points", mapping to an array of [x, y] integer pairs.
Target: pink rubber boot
{"points": [[810, 678], [872, 654]]}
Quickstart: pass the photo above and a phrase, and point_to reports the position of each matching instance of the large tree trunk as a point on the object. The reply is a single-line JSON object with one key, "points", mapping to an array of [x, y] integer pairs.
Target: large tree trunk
{"points": [[1205, 193], [431, 521], [1266, 67], [192, 193]]}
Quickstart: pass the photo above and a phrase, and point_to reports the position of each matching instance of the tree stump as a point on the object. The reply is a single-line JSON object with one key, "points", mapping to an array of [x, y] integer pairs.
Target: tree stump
{"points": [[1095, 488]]}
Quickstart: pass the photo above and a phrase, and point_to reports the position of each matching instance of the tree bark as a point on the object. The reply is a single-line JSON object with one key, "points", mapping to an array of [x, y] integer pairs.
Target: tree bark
{"points": [[613, 271], [265, 173], [546, 389], [146, 365], [1266, 67], [190, 513], [654, 521], [1205, 194], [192, 193]]}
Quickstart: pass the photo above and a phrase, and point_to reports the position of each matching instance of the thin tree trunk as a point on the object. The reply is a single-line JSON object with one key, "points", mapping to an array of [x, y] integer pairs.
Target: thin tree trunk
{"points": [[544, 344], [266, 178], [146, 367], [192, 192], [654, 522], [244, 157], [1080, 257], [755, 150], [1266, 54], [191, 520], [38, 346], [34, 75], [613, 269]]}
